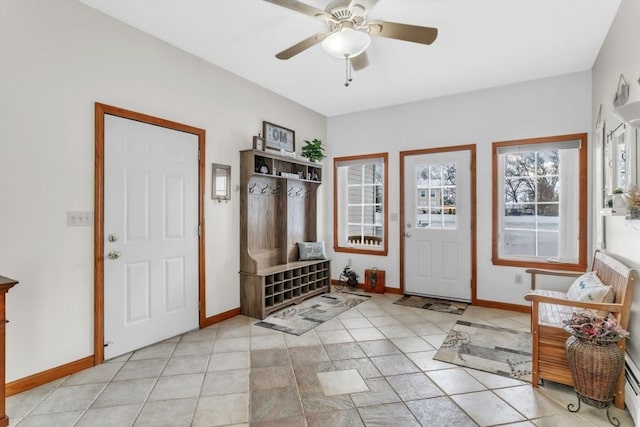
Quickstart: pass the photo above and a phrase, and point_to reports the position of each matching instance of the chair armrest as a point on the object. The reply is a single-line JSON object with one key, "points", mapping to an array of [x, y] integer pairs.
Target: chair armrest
{"points": [[537, 298], [534, 271]]}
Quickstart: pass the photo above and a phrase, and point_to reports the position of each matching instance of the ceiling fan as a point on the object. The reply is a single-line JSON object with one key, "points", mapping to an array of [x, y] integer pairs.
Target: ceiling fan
{"points": [[349, 31]]}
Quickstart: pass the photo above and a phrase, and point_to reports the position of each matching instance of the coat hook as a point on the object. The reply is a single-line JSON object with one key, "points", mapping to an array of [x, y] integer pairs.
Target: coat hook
{"points": [[252, 187]]}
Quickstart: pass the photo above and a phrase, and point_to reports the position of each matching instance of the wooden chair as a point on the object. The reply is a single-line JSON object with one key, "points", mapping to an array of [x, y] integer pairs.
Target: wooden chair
{"points": [[550, 308]]}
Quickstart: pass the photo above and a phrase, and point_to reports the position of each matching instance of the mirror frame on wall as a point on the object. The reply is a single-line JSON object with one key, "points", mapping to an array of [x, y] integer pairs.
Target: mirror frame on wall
{"points": [[600, 185], [620, 161], [220, 182]]}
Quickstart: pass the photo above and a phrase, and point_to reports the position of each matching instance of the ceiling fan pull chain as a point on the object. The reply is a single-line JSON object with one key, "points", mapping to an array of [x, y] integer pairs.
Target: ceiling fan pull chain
{"points": [[348, 78], [346, 71]]}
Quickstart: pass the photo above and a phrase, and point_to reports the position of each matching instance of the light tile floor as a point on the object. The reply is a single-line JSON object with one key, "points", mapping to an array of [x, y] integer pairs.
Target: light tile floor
{"points": [[372, 365]]}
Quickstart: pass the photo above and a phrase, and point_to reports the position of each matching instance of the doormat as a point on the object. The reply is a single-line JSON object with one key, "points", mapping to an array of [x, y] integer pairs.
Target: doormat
{"points": [[500, 351], [301, 318], [435, 304]]}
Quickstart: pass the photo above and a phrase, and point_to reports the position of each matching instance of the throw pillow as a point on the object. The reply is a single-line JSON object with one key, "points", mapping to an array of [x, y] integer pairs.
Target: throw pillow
{"points": [[589, 288], [311, 250]]}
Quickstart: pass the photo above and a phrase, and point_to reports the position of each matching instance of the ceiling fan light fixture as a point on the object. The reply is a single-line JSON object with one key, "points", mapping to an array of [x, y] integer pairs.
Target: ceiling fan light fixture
{"points": [[346, 43]]}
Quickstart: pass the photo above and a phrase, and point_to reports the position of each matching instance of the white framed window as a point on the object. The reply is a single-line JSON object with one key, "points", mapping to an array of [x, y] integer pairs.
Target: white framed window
{"points": [[539, 210], [360, 204]]}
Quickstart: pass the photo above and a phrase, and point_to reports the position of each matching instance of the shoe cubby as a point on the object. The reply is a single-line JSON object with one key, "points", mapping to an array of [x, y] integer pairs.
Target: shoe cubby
{"points": [[269, 291]]}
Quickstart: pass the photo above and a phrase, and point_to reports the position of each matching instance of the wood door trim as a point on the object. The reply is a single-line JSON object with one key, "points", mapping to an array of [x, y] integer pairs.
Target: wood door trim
{"points": [[472, 152], [98, 241]]}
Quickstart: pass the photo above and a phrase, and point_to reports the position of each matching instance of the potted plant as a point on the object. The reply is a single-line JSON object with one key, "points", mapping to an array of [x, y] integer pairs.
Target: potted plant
{"points": [[313, 150], [618, 201], [595, 360], [350, 276], [586, 325]]}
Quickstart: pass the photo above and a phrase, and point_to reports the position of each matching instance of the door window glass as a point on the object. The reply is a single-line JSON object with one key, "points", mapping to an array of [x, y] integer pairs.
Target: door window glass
{"points": [[436, 196]]}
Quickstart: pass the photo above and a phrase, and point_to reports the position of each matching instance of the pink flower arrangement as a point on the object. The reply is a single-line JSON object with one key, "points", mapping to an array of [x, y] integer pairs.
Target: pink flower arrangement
{"points": [[591, 326]]}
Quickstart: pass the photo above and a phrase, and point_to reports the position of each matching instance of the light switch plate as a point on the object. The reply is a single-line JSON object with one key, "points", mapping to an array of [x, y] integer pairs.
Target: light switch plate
{"points": [[79, 219]]}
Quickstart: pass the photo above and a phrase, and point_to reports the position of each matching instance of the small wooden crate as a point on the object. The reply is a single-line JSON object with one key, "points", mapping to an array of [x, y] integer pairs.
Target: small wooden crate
{"points": [[374, 280]]}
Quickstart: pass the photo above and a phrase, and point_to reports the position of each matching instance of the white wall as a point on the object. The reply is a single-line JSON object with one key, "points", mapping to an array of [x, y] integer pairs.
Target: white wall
{"points": [[552, 106], [58, 58], [620, 54]]}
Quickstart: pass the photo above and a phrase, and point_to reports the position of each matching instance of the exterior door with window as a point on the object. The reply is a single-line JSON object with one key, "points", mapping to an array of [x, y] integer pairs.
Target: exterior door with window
{"points": [[437, 230]]}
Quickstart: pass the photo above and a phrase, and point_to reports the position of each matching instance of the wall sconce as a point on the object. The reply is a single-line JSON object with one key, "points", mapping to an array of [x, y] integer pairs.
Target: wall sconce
{"points": [[221, 182]]}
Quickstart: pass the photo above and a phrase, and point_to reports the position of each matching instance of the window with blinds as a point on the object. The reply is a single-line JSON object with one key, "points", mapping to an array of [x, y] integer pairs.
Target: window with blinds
{"points": [[539, 201]]}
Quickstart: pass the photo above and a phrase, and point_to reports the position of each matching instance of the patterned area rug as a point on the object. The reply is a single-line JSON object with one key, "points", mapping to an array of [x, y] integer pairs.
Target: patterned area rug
{"points": [[298, 319], [501, 351], [434, 304]]}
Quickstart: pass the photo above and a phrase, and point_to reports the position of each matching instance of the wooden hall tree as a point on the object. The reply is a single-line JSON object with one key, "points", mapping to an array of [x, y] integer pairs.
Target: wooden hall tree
{"points": [[278, 205]]}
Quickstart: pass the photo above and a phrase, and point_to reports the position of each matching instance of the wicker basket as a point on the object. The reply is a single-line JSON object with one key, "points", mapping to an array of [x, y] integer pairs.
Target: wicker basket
{"points": [[595, 365]]}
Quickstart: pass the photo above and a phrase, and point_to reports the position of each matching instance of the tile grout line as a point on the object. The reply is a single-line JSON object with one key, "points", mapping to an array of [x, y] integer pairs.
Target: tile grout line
{"points": [[94, 399], [426, 375], [204, 376], [157, 378], [295, 383], [33, 408], [358, 409]]}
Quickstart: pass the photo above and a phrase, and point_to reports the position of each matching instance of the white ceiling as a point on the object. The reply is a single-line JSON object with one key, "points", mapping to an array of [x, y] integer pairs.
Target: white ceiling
{"points": [[480, 44]]}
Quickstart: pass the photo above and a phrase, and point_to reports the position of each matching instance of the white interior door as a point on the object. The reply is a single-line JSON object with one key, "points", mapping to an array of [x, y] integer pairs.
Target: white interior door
{"points": [[150, 234], [437, 229]]}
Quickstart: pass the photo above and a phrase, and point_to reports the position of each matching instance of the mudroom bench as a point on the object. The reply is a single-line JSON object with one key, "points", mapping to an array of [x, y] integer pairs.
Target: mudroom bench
{"points": [[550, 308]]}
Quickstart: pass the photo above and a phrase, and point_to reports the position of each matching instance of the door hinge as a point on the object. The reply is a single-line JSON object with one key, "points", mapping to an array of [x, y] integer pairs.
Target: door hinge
{"points": [[199, 305], [198, 155], [199, 230]]}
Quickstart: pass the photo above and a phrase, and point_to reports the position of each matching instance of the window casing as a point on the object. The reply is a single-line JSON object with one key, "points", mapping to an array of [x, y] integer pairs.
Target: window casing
{"points": [[540, 202], [360, 204]]}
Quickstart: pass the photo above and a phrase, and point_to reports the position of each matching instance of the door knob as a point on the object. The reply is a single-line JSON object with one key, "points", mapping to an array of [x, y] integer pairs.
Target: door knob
{"points": [[407, 234], [114, 255]]}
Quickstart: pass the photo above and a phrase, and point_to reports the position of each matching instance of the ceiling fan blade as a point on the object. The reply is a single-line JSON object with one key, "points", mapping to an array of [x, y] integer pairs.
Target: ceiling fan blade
{"points": [[410, 33], [361, 7], [359, 62], [303, 8], [302, 46]]}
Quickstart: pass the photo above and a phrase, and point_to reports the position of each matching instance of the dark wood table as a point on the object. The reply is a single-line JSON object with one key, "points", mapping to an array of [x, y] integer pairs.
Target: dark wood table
{"points": [[5, 285]]}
